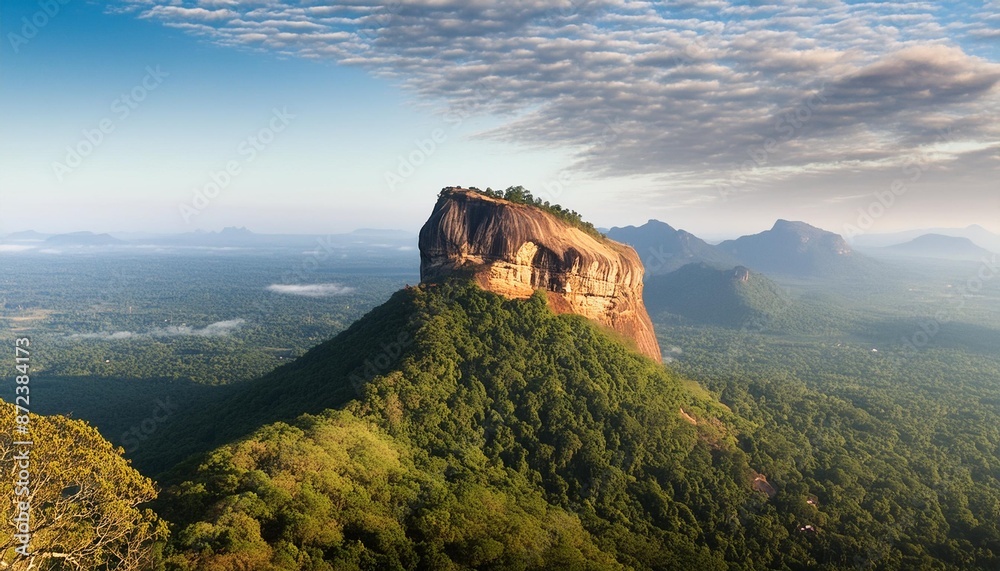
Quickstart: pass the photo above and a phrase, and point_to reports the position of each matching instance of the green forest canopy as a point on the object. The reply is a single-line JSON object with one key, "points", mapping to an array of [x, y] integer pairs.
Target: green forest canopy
{"points": [[506, 437]]}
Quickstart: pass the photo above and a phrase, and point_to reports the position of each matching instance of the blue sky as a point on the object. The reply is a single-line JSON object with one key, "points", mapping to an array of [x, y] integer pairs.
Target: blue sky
{"points": [[717, 117]]}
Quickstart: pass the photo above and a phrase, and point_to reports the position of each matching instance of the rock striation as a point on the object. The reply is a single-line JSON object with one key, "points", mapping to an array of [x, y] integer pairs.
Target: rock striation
{"points": [[514, 249]]}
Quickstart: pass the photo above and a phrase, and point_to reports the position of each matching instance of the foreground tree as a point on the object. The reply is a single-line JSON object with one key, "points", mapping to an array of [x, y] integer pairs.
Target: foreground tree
{"points": [[84, 499]]}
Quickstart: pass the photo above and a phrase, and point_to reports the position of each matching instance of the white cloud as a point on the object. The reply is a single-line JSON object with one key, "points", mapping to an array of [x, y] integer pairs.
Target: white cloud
{"points": [[311, 290], [682, 89], [180, 13]]}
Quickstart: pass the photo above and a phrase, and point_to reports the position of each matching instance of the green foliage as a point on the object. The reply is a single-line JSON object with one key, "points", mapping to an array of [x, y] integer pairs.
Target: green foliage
{"points": [[898, 449], [83, 499], [703, 294], [494, 423], [508, 437], [338, 492], [544, 422]]}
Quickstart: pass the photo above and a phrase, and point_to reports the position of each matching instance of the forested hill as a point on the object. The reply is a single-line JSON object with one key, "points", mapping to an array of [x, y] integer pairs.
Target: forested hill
{"points": [[493, 434], [702, 294], [501, 436], [452, 328]]}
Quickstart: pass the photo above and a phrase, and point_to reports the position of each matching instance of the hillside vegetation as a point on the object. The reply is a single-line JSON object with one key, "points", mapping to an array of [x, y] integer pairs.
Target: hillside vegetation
{"points": [[704, 294], [502, 436]]}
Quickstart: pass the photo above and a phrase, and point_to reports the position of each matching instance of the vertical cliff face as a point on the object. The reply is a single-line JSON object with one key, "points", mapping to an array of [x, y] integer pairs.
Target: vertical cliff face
{"points": [[513, 249]]}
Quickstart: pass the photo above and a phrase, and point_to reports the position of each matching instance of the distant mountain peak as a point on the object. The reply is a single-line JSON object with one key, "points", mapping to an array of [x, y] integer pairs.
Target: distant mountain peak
{"points": [[83, 239], [979, 235], [791, 247], [234, 230], [782, 225], [664, 249], [941, 238], [940, 246], [654, 223], [26, 235]]}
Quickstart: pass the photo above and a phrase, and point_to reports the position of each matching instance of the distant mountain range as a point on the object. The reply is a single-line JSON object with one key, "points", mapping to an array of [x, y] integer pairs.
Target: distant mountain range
{"points": [[788, 248], [796, 248], [940, 246], [229, 238], [83, 239], [664, 249], [977, 234], [25, 236]]}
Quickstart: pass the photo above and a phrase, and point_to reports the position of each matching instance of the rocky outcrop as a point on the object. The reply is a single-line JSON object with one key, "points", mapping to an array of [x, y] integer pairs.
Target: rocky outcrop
{"points": [[741, 274], [514, 249]]}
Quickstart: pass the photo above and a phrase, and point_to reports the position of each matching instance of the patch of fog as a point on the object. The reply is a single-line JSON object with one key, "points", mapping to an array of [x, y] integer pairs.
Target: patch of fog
{"points": [[311, 290], [217, 329], [117, 335], [672, 354]]}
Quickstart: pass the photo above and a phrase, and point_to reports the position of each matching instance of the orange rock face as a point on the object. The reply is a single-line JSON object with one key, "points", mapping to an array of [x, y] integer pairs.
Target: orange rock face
{"points": [[514, 249]]}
